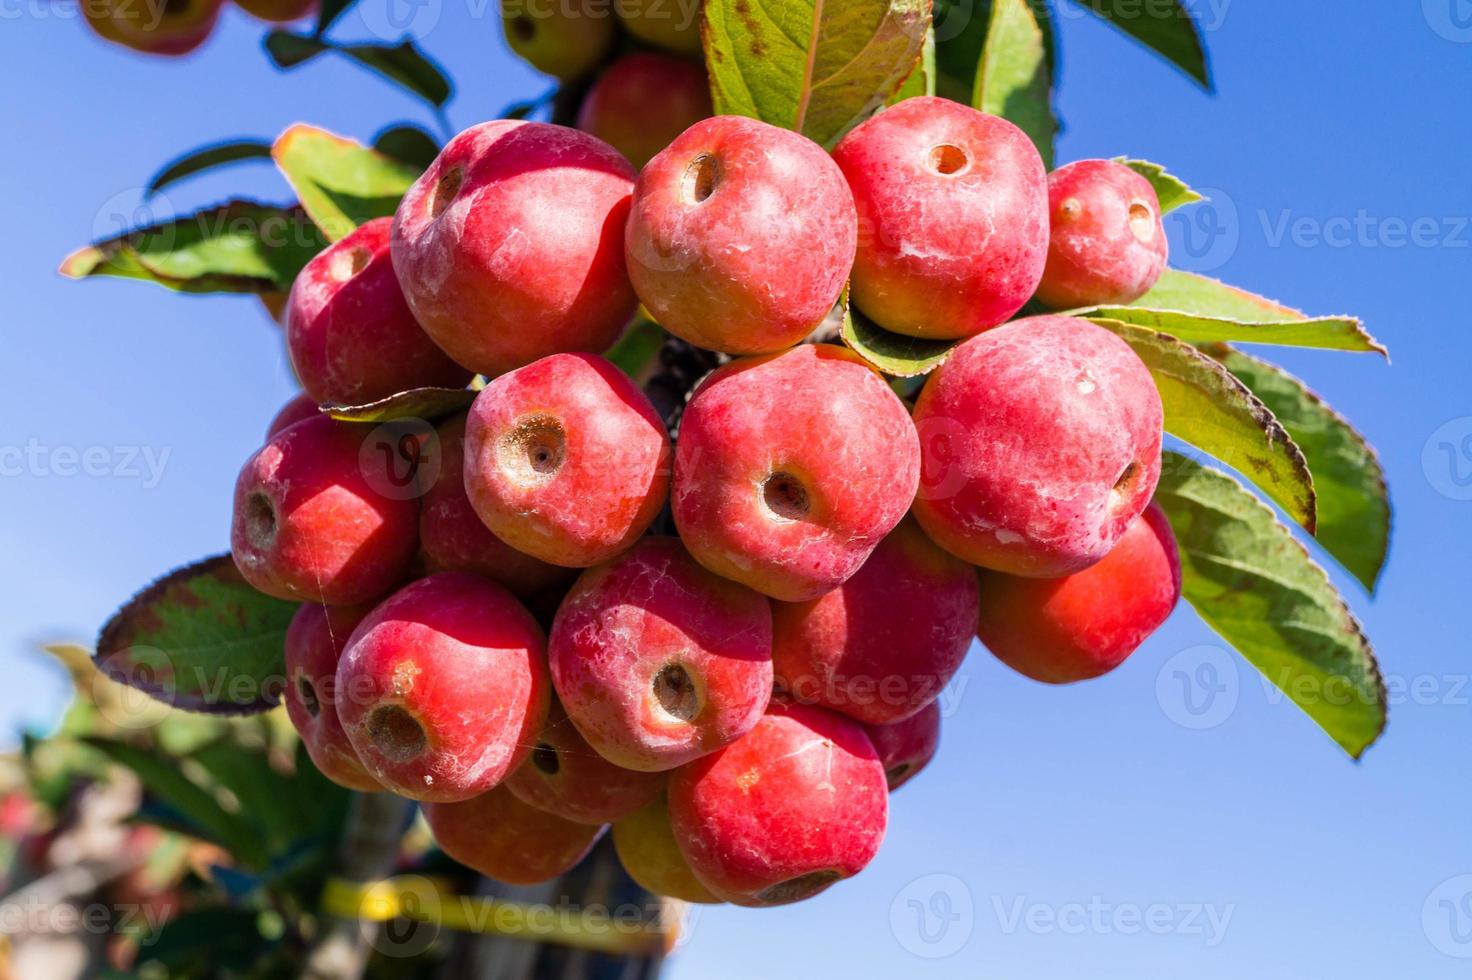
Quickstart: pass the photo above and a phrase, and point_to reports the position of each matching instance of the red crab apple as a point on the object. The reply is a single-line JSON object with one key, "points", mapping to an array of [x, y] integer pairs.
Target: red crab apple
{"points": [[349, 331], [906, 747], [791, 468], [443, 688], [567, 39], [1085, 625], [642, 101], [314, 642], [1108, 244], [163, 27], [566, 460], [782, 814], [953, 217], [670, 24], [882, 645], [648, 851], [503, 838], [309, 525], [741, 236], [510, 246], [566, 777], [658, 661], [453, 539], [277, 11], [299, 408], [1041, 442]]}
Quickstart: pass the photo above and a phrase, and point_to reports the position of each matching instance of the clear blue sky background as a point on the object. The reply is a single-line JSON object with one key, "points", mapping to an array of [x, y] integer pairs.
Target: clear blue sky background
{"points": [[1043, 802]]}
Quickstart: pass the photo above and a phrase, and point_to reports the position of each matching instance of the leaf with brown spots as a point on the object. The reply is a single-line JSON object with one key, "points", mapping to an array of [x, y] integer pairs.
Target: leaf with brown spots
{"points": [[1252, 582], [201, 639], [1213, 411], [819, 67]]}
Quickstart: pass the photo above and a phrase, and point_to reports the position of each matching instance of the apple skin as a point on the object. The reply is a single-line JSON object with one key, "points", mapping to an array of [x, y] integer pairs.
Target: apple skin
{"points": [[349, 332], [906, 747], [510, 246], [309, 525], [1084, 625], [673, 25], [1041, 441], [880, 647], [648, 851], [1108, 244], [314, 643], [157, 27], [277, 11], [942, 253], [791, 468], [780, 815], [503, 838], [567, 39], [299, 408], [641, 102], [566, 460], [741, 236], [565, 777], [443, 688], [657, 661], [453, 539]]}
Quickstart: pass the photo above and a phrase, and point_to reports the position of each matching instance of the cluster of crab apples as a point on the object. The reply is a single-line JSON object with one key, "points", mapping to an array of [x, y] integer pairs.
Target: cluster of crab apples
{"points": [[727, 642]]}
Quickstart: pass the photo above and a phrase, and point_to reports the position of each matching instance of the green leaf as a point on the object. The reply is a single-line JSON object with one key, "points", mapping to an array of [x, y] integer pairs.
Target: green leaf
{"points": [[1166, 27], [922, 79], [638, 348], [428, 404], [207, 158], [1253, 583], [893, 354], [408, 144], [239, 247], [1169, 189], [1324, 333], [1192, 293], [1353, 499], [402, 63], [258, 788], [961, 28], [1014, 80], [200, 639], [341, 183], [162, 777], [819, 67], [1213, 411]]}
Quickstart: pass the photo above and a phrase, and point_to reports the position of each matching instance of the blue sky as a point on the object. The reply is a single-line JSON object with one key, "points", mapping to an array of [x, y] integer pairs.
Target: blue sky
{"points": [[1101, 830]]}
